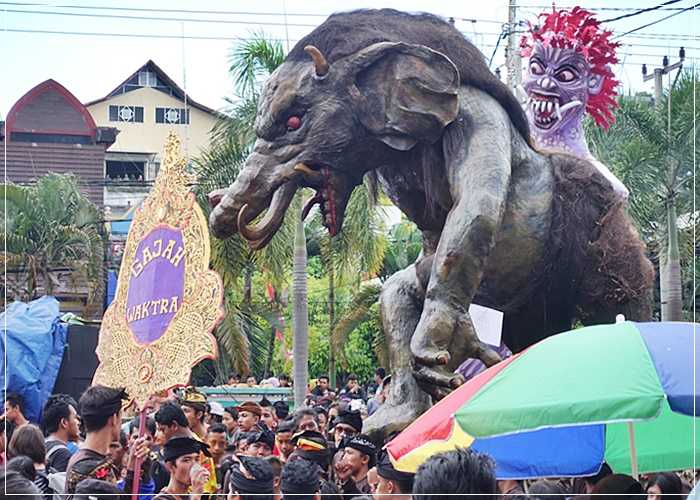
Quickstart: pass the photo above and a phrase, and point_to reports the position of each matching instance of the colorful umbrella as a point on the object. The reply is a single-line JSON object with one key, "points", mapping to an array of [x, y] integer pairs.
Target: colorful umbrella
{"points": [[625, 394]]}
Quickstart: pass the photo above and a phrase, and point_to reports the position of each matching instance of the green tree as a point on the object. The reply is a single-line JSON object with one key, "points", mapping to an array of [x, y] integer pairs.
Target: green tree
{"points": [[652, 152], [51, 225], [242, 333]]}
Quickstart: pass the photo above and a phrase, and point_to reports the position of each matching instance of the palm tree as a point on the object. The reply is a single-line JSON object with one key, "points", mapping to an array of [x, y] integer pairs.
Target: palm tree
{"points": [[356, 251], [52, 225], [240, 335], [652, 153]]}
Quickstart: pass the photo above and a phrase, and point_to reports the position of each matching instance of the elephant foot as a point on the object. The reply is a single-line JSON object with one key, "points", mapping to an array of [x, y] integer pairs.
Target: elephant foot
{"points": [[431, 357]]}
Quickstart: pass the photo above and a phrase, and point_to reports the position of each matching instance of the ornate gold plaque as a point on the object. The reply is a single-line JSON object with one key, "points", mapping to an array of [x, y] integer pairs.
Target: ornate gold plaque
{"points": [[168, 301]]}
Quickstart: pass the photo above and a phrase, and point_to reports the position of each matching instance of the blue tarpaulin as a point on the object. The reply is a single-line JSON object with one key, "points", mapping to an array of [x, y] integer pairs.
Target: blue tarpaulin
{"points": [[35, 340]]}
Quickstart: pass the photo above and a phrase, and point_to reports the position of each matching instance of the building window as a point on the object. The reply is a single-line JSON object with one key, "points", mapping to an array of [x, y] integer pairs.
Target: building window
{"points": [[125, 170], [147, 79], [172, 116], [126, 114]]}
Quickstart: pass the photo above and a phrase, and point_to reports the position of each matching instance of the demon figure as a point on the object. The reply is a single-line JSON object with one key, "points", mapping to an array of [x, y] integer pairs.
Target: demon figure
{"points": [[569, 75]]}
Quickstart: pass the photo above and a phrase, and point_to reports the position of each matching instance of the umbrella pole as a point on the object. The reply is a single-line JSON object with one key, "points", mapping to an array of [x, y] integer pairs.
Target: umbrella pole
{"points": [[633, 451]]}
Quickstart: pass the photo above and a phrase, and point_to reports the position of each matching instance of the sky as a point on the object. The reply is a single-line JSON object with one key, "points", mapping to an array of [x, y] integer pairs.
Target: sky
{"points": [[192, 40]]}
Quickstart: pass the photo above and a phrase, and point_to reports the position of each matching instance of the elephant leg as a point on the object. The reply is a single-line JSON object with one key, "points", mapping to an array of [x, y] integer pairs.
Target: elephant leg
{"points": [[479, 173], [400, 302]]}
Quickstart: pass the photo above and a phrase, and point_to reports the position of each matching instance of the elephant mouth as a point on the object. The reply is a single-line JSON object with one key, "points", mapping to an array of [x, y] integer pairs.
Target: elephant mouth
{"points": [[260, 234], [320, 179]]}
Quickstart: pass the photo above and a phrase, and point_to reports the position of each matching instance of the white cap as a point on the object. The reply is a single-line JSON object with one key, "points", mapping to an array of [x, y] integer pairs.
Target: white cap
{"points": [[216, 408]]}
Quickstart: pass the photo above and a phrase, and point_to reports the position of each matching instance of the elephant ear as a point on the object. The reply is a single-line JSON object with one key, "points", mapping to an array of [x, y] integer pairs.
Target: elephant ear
{"points": [[405, 93]]}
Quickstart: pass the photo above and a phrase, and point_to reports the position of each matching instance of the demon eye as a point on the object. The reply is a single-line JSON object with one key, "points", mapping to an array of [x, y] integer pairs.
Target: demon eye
{"points": [[566, 75], [536, 68], [293, 123]]}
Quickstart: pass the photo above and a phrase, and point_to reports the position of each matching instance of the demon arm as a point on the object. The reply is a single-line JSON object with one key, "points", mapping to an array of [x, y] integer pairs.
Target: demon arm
{"points": [[477, 150]]}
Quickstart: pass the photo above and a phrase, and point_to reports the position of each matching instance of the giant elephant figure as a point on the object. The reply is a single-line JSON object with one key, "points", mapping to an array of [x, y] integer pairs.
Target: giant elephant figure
{"points": [[408, 101]]}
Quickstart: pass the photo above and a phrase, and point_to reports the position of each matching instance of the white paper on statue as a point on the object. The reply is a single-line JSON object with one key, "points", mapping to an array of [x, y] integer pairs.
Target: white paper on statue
{"points": [[488, 324]]}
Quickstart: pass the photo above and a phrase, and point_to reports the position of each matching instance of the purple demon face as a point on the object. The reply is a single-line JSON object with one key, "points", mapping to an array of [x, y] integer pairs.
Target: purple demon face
{"points": [[558, 84]]}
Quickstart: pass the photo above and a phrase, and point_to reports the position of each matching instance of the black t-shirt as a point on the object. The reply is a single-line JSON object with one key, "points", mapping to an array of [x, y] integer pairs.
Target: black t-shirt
{"points": [[57, 455]]}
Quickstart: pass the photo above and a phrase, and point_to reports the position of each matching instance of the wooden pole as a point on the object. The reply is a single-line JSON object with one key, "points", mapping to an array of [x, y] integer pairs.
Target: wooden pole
{"points": [[139, 461], [633, 451]]}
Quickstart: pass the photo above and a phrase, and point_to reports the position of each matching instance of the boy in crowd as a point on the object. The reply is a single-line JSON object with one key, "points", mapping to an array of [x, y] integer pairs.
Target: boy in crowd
{"points": [[194, 406], [101, 412], [463, 474], [398, 485], [283, 439], [251, 478], [249, 414], [14, 413], [360, 454], [267, 415], [261, 444], [216, 441], [301, 481], [61, 424], [346, 425], [181, 456]]}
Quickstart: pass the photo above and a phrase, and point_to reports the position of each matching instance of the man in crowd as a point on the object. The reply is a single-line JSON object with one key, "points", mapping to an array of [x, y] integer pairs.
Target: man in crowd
{"points": [[382, 392], [101, 412], [261, 444], [194, 405], [234, 379], [322, 390], [284, 380], [346, 425], [230, 420], [14, 412], [267, 415], [60, 423], [118, 449], [216, 413], [216, 441], [181, 455], [306, 419], [353, 390], [360, 454], [249, 414], [170, 422], [281, 410], [312, 446], [398, 485], [251, 476], [283, 439], [463, 474], [301, 481]]}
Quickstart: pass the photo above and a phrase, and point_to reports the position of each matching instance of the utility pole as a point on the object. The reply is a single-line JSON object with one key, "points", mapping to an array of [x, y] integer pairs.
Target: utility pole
{"points": [[670, 262], [513, 60], [658, 74]]}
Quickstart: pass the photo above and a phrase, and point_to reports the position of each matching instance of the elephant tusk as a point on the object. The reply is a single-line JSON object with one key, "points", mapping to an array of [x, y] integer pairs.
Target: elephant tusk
{"points": [[272, 219], [320, 62], [308, 171]]}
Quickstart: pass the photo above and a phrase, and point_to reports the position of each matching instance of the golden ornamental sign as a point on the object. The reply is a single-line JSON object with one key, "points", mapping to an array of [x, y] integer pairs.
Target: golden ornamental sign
{"points": [[167, 301]]}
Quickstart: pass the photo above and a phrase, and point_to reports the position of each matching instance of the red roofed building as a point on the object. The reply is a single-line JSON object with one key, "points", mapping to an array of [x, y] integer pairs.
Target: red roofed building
{"points": [[49, 130]]}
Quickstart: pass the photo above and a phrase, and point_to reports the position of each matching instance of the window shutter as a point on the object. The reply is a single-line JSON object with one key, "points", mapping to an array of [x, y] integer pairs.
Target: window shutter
{"points": [[113, 113], [185, 114], [138, 111], [160, 115]]}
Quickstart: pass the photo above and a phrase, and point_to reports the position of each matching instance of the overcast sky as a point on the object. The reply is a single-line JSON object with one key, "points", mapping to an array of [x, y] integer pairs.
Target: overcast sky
{"points": [[91, 65]]}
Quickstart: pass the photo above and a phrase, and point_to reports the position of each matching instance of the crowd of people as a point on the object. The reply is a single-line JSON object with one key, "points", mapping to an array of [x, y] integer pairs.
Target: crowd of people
{"points": [[190, 447]]}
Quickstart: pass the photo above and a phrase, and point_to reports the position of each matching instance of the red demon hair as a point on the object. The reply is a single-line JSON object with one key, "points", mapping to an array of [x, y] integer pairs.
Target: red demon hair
{"points": [[577, 29]]}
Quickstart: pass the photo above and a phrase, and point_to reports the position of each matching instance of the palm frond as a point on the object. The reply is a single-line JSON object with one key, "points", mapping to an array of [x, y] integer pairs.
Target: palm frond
{"points": [[358, 311], [252, 58]]}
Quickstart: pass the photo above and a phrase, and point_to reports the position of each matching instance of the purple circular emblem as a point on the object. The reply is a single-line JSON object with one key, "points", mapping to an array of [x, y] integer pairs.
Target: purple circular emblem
{"points": [[156, 284]]}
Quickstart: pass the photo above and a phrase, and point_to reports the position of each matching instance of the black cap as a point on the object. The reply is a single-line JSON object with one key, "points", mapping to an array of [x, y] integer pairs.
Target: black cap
{"points": [[363, 444], [252, 475], [387, 470], [351, 418], [178, 446], [94, 489]]}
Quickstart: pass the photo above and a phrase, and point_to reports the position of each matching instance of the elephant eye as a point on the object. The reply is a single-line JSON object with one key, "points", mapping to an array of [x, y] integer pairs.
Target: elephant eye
{"points": [[293, 123]]}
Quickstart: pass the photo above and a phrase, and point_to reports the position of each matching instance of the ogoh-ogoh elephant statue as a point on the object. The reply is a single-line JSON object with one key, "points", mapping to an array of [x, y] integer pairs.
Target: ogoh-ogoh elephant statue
{"points": [[408, 100]]}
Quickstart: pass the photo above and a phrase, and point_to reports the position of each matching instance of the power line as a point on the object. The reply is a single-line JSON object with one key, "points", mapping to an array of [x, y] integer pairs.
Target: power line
{"points": [[618, 9], [640, 11], [658, 20], [145, 18]]}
